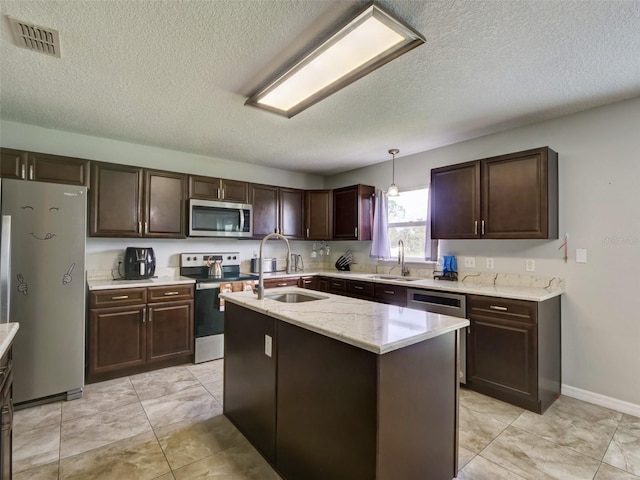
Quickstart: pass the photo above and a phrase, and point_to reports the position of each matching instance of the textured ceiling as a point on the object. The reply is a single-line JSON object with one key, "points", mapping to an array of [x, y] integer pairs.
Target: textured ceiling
{"points": [[175, 74]]}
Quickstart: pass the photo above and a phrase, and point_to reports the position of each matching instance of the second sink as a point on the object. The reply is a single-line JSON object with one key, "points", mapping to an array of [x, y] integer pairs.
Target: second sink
{"points": [[293, 297]]}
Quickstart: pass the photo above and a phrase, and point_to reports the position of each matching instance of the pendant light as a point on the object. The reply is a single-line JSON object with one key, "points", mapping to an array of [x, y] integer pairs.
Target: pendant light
{"points": [[392, 191]]}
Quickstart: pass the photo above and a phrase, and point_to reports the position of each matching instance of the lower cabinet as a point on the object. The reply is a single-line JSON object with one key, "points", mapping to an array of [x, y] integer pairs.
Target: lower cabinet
{"points": [[513, 350], [6, 415], [132, 330], [281, 282], [390, 294]]}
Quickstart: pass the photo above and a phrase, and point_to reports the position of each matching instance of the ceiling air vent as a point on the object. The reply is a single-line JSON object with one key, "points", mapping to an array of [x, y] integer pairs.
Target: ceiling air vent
{"points": [[34, 37]]}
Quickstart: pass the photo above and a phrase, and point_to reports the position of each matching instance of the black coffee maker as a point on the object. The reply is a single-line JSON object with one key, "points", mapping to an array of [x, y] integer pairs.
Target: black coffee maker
{"points": [[139, 263]]}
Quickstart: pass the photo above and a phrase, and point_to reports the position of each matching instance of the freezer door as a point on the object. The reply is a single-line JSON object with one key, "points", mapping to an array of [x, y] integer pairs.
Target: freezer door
{"points": [[48, 228]]}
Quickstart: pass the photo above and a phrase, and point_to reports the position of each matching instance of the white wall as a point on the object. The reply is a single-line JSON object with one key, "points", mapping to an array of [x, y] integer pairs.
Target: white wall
{"points": [[599, 183]]}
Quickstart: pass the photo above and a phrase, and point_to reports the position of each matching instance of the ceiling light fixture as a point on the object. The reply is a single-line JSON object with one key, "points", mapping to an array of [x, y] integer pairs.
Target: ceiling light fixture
{"points": [[368, 41], [392, 191]]}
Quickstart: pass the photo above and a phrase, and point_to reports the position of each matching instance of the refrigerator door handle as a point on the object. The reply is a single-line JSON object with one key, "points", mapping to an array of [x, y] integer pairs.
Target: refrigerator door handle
{"points": [[5, 269]]}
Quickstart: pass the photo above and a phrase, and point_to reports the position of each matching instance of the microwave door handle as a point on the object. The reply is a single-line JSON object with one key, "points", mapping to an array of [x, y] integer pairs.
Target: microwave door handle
{"points": [[241, 219]]}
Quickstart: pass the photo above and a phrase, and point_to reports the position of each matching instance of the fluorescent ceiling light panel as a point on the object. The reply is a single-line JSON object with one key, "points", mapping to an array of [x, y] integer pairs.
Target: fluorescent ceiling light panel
{"points": [[367, 42]]}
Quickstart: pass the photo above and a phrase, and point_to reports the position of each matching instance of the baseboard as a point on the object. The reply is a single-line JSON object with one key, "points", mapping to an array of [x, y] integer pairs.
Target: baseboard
{"points": [[601, 400]]}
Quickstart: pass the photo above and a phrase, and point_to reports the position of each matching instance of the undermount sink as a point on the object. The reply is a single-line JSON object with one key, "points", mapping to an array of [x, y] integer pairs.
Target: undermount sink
{"points": [[293, 297], [395, 277]]}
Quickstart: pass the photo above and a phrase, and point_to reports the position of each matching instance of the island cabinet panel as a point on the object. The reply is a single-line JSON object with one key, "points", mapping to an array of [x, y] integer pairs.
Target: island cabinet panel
{"points": [[326, 408], [514, 350], [250, 376]]}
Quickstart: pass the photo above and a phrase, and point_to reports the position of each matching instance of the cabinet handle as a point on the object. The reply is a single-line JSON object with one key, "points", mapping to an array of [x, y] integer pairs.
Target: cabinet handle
{"points": [[475, 227], [496, 307], [150, 315], [307, 282], [356, 232], [358, 287], [167, 294], [389, 292], [23, 171], [140, 227], [30, 172], [144, 315], [219, 197], [483, 227], [283, 284], [120, 297], [307, 233], [146, 227], [222, 195]]}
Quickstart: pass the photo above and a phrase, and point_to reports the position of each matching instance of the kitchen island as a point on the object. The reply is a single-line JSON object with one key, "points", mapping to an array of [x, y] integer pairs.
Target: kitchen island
{"points": [[338, 388]]}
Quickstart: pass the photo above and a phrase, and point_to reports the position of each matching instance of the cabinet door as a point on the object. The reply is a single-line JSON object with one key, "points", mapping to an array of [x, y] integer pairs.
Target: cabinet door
{"points": [[318, 214], [390, 294], [358, 289], [455, 201], [250, 376], [164, 206], [169, 330], [117, 338], [352, 213], [519, 201], [264, 199], [291, 213], [116, 199], [281, 282], [204, 188], [308, 282], [323, 284], [56, 169], [234, 191], [13, 164], [502, 358]]}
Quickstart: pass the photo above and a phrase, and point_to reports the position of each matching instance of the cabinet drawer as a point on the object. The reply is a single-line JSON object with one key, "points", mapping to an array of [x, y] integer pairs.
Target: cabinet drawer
{"points": [[307, 282], [117, 297], [337, 285], [170, 293], [360, 289], [392, 294], [281, 282], [502, 308]]}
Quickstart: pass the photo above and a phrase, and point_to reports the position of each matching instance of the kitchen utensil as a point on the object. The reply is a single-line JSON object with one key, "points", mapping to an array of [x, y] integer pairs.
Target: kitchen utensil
{"points": [[215, 268]]}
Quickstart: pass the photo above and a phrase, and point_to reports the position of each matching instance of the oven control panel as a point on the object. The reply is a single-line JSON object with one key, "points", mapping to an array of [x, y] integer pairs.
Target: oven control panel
{"points": [[203, 259]]}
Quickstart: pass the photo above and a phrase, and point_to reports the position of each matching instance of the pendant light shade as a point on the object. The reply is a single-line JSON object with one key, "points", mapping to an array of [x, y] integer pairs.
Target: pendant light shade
{"points": [[392, 191]]}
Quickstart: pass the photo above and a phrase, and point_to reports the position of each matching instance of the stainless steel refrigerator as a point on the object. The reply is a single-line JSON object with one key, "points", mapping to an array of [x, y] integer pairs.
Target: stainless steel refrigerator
{"points": [[42, 270]]}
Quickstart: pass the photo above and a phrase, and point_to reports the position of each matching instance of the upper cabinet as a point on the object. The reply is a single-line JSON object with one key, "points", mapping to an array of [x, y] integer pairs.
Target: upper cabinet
{"points": [[353, 212], [208, 188], [318, 214], [512, 196], [277, 210], [135, 202], [43, 167]]}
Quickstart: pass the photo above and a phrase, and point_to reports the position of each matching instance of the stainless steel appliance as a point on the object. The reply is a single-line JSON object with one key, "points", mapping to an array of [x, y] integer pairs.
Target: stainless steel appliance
{"points": [[451, 304], [268, 265], [139, 263], [43, 270], [209, 309], [208, 218]]}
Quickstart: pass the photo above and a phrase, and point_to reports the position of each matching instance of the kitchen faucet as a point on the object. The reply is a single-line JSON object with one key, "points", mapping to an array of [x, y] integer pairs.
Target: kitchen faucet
{"points": [[403, 268], [260, 289]]}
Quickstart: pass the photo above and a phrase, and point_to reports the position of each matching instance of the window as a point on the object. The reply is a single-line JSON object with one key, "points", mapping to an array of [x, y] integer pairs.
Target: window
{"points": [[408, 221]]}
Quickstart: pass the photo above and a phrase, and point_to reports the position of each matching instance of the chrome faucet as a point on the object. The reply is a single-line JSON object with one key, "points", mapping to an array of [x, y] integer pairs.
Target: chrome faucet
{"points": [[260, 289], [403, 268]]}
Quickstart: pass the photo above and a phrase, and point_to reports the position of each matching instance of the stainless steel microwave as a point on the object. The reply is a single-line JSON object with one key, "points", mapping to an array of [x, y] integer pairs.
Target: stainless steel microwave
{"points": [[208, 218]]}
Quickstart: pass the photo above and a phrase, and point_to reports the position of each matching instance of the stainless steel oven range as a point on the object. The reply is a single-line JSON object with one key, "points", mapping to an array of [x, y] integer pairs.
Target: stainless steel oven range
{"points": [[209, 311]]}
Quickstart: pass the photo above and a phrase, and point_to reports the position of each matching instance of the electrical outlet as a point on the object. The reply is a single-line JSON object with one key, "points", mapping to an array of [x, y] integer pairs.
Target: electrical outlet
{"points": [[470, 262], [490, 263], [581, 255], [530, 265]]}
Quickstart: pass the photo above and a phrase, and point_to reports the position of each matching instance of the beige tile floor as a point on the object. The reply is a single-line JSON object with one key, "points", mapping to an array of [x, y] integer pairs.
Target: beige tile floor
{"points": [[167, 425]]}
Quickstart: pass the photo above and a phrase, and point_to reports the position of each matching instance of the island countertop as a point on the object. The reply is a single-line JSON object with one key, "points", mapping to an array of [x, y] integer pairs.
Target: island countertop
{"points": [[7, 333], [376, 327]]}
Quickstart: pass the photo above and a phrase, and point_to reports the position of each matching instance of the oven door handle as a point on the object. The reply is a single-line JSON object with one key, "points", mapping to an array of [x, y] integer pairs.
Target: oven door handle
{"points": [[207, 286]]}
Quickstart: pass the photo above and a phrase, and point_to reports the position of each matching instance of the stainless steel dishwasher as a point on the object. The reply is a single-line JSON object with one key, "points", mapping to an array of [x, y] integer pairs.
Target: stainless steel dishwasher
{"points": [[451, 304]]}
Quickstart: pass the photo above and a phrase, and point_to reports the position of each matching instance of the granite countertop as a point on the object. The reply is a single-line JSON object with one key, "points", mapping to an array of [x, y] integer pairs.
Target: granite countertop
{"points": [[372, 326], [7, 333], [150, 282], [531, 293]]}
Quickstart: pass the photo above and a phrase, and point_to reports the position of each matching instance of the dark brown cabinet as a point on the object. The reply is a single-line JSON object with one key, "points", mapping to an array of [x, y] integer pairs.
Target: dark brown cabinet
{"points": [[308, 282], [250, 376], [390, 294], [513, 350], [510, 196], [281, 282], [277, 210], [134, 202], [209, 188], [360, 289], [318, 214], [132, 330], [353, 212], [6, 415], [43, 167]]}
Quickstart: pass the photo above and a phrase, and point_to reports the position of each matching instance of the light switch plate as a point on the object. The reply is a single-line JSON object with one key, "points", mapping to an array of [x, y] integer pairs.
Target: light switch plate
{"points": [[470, 262], [581, 255], [489, 263], [530, 265], [268, 345]]}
